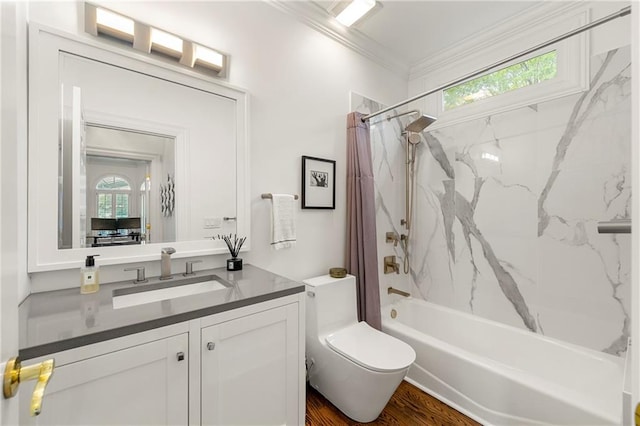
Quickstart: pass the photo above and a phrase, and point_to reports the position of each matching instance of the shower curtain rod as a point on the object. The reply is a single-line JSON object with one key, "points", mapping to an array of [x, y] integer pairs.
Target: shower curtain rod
{"points": [[622, 12]]}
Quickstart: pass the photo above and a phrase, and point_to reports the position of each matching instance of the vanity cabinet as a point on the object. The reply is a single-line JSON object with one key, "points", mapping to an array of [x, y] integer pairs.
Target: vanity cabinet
{"points": [[241, 366], [145, 384], [249, 369]]}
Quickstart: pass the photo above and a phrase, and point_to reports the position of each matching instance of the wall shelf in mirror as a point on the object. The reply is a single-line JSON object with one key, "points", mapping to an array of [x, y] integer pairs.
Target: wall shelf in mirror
{"points": [[110, 112]]}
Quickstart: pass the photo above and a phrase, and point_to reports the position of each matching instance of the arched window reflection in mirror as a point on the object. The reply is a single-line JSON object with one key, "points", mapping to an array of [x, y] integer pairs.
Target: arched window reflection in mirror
{"points": [[112, 197]]}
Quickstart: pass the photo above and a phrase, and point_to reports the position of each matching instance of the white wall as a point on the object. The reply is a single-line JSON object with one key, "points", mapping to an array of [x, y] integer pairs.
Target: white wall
{"points": [[14, 157], [299, 83]]}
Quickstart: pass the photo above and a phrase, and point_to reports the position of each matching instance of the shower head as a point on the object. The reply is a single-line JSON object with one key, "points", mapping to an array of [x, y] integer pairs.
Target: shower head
{"points": [[413, 138], [421, 123]]}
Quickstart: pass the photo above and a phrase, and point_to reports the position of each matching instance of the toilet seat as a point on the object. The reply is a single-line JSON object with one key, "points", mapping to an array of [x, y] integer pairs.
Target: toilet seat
{"points": [[371, 348]]}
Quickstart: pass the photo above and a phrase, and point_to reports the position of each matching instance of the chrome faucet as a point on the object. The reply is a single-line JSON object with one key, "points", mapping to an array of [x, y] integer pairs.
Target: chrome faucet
{"points": [[165, 263]]}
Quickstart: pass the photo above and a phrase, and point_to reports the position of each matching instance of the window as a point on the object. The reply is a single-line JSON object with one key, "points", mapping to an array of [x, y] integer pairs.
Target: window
{"points": [[112, 197], [122, 205], [113, 183], [526, 73], [559, 70], [105, 205]]}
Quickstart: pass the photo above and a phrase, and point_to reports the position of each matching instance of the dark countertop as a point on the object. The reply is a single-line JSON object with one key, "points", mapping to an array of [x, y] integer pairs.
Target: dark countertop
{"points": [[60, 320]]}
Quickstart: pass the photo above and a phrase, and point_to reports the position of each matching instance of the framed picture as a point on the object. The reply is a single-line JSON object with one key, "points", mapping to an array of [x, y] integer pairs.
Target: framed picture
{"points": [[318, 183]]}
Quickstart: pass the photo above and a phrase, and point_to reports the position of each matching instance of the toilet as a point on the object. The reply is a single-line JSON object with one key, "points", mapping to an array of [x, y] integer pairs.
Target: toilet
{"points": [[356, 367]]}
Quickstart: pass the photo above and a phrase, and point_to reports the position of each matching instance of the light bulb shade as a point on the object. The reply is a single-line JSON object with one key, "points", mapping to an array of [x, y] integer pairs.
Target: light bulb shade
{"points": [[208, 58], [356, 10], [114, 25], [166, 43]]}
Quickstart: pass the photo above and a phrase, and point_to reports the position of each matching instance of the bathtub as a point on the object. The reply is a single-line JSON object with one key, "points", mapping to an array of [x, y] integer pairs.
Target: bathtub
{"points": [[501, 375]]}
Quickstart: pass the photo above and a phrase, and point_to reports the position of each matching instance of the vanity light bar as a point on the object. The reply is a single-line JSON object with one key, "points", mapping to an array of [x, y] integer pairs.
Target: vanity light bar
{"points": [[356, 10], [100, 21]]}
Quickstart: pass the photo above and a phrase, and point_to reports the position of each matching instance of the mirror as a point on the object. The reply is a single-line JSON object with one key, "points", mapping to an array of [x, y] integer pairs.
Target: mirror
{"points": [[123, 204], [147, 155]]}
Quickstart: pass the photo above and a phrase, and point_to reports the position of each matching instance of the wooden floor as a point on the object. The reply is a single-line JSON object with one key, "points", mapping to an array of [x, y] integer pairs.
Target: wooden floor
{"points": [[408, 406]]}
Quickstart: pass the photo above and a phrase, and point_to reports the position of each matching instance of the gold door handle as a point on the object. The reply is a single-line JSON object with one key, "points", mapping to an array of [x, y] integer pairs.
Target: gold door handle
{"points": [[15, 373]]}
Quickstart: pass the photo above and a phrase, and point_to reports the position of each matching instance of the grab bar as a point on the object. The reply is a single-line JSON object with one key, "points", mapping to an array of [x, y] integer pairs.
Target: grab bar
{"points": [[392, 290], [620, 226]]}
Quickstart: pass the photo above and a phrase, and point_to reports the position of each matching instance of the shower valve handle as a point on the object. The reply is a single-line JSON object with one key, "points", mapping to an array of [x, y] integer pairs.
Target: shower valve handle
{"points": [[390, 265]]}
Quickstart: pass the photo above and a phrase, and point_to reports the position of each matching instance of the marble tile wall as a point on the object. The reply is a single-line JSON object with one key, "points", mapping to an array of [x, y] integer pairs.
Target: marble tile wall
{"points": [[507, 206]]}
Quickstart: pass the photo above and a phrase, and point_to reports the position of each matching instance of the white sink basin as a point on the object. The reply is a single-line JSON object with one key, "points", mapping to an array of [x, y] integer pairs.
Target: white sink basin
{"points": [[150, 296]]}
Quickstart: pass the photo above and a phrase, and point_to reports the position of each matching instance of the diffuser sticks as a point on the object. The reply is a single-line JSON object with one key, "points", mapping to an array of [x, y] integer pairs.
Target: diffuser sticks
{"points": [[234, 244]]}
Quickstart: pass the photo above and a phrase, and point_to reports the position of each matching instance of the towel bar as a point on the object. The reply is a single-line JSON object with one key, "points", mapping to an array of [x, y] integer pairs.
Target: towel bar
{"points": [[269, 195]]}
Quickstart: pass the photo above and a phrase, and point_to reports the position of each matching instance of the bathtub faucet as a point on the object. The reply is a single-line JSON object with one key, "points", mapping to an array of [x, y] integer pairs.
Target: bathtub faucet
{"points": [[392, 290]]}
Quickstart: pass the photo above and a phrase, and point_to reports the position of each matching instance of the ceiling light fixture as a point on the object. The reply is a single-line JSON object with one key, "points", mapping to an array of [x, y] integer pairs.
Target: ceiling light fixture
{"points": [[356, 10], [99, 21]]}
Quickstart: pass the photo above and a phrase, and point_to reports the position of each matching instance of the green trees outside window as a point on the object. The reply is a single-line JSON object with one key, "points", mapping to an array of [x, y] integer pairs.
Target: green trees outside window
{"points": [[523, 74]]}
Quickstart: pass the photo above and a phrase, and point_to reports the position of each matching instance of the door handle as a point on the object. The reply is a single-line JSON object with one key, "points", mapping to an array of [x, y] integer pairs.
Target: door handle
{"points": [[15, 373]]}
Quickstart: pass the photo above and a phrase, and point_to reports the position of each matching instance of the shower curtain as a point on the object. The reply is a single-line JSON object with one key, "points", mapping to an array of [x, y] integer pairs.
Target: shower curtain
{"points": [[362, 253]]}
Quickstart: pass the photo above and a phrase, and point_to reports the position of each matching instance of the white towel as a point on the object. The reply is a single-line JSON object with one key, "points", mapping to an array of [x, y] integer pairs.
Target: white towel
{"points": [[283, 221]]}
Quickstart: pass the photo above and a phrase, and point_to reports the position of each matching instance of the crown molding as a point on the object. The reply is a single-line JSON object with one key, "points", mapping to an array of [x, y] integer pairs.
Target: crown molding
{"points": [[317, 18], [527, 20]]}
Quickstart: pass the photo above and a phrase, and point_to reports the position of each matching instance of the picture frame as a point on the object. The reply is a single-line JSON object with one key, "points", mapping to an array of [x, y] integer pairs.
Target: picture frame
{"points": [[318, 183]]}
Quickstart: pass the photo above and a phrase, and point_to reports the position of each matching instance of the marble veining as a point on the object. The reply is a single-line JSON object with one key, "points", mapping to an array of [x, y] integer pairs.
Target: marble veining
{"points": [[506, 211], [575, 122], [464, 213]]}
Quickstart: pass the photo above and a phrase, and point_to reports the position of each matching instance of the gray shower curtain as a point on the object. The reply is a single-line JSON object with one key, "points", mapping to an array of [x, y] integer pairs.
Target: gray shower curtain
{"points": [[362, 252]]}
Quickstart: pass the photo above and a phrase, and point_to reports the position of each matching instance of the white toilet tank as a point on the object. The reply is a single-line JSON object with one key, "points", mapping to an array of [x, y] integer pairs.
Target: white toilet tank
{"points": [[331, 303]]}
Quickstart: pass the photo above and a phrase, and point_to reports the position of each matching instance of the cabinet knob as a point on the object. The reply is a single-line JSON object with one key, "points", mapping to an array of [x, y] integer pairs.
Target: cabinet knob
{"points": [[211, 346], [180, 356]]}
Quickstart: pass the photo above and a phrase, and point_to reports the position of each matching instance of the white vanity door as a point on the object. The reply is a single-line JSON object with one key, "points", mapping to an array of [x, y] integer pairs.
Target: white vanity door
{"points": [[250, 373], [141, 385]]}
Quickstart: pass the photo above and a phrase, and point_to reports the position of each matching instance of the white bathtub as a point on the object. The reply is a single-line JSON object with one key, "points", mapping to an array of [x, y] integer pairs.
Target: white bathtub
{"points": [[501, 375]]}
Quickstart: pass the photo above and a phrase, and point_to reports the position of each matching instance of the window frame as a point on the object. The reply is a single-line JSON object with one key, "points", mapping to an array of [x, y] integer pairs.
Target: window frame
{"points": [[113, 193], [495, 71], [571, 78]]}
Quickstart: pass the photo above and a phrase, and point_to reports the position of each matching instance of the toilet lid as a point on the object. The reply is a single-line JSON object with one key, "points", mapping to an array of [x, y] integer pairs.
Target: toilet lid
{"points": [[371, 348]]}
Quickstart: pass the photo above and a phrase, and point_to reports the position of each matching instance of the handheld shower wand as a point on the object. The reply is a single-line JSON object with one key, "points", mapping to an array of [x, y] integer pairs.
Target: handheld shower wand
{"points": [[412, 135]]}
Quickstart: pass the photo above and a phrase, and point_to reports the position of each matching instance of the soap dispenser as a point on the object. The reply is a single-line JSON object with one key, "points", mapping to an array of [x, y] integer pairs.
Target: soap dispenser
{"points": [[89, 276]]}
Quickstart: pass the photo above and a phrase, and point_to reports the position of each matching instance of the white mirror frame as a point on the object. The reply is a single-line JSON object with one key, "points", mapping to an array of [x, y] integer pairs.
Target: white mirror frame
{"points": [[45, 45]]}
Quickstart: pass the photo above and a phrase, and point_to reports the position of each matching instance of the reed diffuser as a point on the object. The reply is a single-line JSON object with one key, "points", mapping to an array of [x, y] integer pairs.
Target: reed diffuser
{"points": [[234, 244]]}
